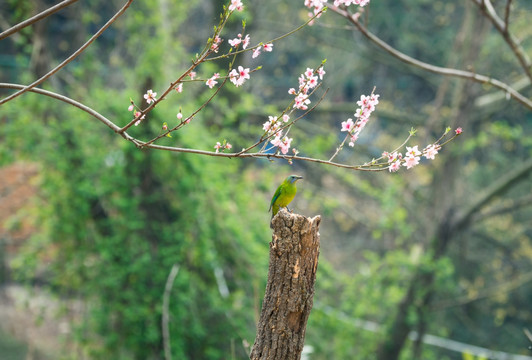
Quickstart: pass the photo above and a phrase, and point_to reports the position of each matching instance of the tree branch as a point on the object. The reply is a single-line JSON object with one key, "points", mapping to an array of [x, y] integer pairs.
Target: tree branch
{"points": [[432, 68], [502, 27], [496, 189], [36, 18], [70, 58]]}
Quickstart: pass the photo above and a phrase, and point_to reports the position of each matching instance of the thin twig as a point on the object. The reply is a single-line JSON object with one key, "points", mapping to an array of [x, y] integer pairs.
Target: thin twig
{"points": [[166, 313], [34, 19], [502, 27], [432, 68], [507, 15], [70, 58]]}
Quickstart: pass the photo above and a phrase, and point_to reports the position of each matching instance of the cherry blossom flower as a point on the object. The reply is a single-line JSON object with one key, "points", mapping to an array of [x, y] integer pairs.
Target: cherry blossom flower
{"points": [[240, 76], [458, 131], [256, 52], [246, 41], [411, 161], [136, 115], [236, 41], [179, 115], [268, 47], [431, 150], [179, 88], [192, 75], [236, 5], [218, 146], [348, 125], [130, 108], [150, 96], [212, 81], [412, 157], [394, 166]]}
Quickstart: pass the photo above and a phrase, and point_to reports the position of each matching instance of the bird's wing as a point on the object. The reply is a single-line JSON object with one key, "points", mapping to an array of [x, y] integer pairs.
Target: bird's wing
{"points": [[275, 196]]}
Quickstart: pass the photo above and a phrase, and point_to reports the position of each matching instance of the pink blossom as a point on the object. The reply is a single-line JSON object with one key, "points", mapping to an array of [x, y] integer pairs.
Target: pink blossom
{"points": [[236, 41], [458, 131], [394, 166], [256, 52], [179, 115], [218, 146], [212, 81], [216, 44], [150, 96], [192, 75], [240, 76], [411, 161], [348, 125], [430, 151], [286, 118], [283, 144], [268, 47], [179, 88], [228, 146], [321, 72], [412, 151], [236, 5], [292, 91], [353, 139], [246, 41], [136, 115], [301, 101], [130, 108], [165, 126]]}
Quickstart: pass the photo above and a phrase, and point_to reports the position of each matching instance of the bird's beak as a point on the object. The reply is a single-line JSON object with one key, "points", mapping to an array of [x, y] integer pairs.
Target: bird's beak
{"points": [[299, 177]]}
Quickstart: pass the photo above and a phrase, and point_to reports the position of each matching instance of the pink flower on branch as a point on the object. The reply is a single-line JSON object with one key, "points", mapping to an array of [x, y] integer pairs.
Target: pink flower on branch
{"points": [[150, 96], [236, 5], [212, 81], [239, 77]]}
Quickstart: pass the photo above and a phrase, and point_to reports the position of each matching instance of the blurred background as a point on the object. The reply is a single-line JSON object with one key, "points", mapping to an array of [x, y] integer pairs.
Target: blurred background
{"points": [[90, 226]]}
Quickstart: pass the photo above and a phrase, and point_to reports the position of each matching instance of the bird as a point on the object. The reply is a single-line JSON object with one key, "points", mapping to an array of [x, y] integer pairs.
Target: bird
{"points": [[284, 194]]}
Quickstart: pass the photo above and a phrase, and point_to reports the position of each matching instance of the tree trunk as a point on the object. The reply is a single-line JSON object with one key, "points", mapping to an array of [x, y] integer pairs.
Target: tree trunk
{"points": [[294, 252]]}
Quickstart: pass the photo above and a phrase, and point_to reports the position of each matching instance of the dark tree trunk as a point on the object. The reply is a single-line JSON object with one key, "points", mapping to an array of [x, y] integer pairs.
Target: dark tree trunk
{"points": [[294, 252]]}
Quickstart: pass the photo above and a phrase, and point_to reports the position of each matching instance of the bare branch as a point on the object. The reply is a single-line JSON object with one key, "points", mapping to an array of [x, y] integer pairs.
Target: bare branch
{"points": [[502, 27], [72, 102], [496, 189], [36, 18], [70, 58], [432, 68], [507, 14]]}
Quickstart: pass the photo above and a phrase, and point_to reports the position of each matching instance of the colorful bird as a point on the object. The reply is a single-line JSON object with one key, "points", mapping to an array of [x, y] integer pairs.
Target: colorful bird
{"points": [[284, 194]]}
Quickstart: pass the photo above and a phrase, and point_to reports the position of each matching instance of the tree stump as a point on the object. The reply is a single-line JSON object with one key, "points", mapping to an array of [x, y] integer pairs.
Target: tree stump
{"points": [[288, 299]]}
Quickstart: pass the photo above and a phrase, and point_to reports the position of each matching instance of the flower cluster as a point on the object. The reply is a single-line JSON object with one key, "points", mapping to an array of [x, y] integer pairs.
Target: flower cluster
{"points": [[223, 146], [238, 40], [366, 107], [216, 44], [273, 127], [318, 5], [266, 47], [307, 81], [240, 76], [412, 156]]}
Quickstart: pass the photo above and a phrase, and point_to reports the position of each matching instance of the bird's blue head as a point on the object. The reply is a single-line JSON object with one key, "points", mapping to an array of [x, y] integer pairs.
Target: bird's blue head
{"points": [[293, 178]]}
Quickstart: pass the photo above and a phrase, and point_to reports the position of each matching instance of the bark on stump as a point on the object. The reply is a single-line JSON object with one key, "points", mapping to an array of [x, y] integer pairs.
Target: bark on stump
{"points": [[288, 299]]}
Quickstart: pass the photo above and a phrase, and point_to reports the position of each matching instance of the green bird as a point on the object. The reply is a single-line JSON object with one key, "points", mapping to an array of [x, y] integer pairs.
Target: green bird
{"points": [[284, 194]]}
